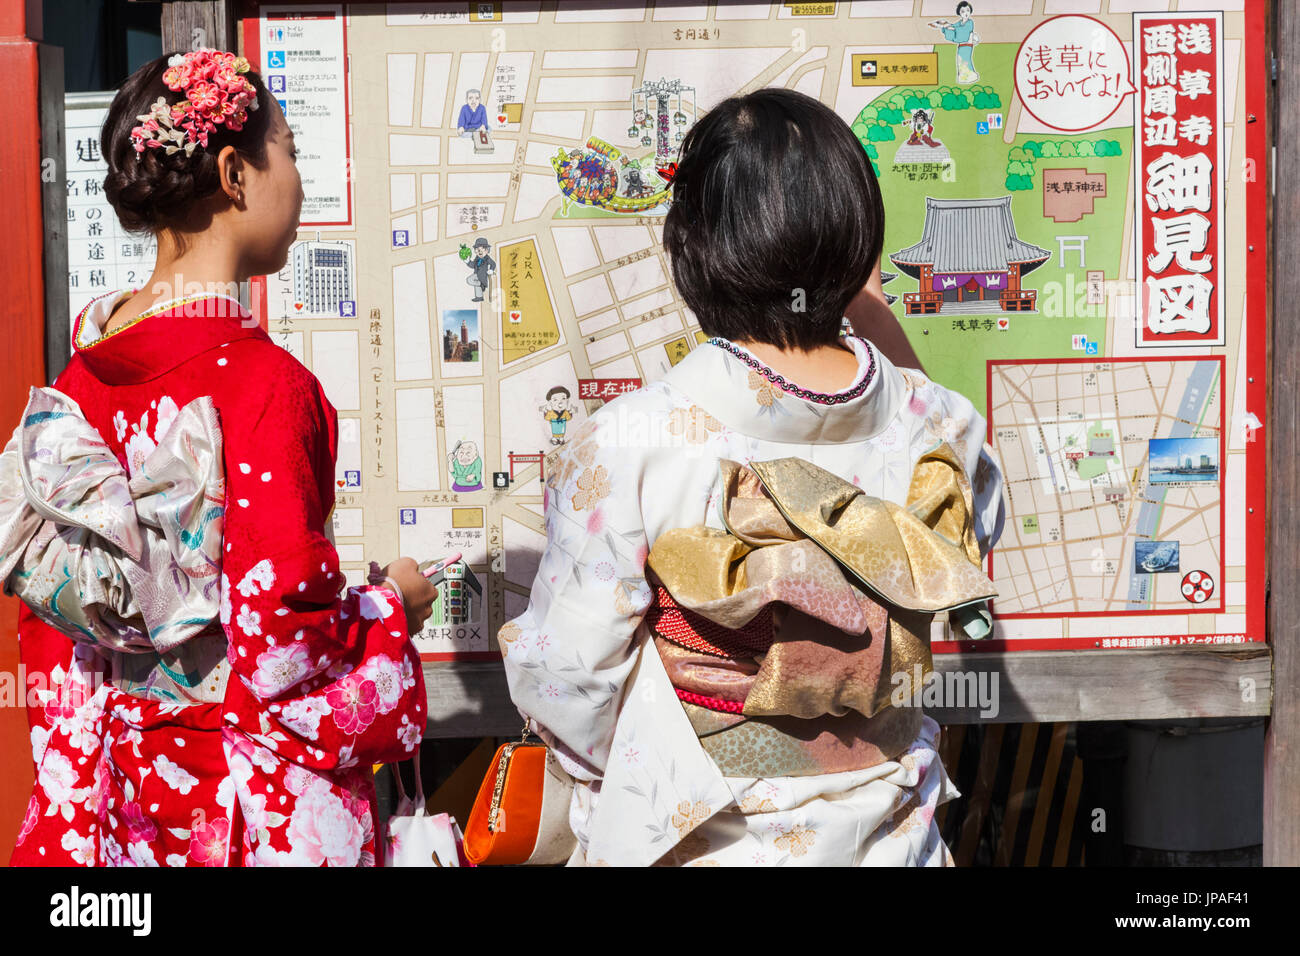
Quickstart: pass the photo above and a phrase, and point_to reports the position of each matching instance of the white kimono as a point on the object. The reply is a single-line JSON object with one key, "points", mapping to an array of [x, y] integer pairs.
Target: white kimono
{"points": [[580, 662]]}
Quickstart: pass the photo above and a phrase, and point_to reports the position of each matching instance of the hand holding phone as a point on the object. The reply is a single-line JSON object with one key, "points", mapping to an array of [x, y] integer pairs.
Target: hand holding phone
{"points": [[418, 593], [430, 568]]}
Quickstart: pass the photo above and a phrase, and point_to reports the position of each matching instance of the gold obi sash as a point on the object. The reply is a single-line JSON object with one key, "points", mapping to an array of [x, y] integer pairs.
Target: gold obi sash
{"points": [[783, 633]]}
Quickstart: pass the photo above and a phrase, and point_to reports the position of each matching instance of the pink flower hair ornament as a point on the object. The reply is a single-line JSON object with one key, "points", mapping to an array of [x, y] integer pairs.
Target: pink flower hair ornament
{"points": [[215, 94]]}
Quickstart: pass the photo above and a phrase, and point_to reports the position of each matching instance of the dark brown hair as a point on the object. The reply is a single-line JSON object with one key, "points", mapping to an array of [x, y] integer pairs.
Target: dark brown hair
{"points": [[152, 191], [776, 221]]}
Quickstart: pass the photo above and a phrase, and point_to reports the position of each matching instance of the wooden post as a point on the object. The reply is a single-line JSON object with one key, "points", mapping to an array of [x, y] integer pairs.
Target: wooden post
{"points": [[1282, 741], [31, 160], [188, 25]]}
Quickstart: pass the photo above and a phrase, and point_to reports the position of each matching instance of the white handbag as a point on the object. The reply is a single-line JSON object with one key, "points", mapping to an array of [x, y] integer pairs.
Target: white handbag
{"points": [[415, 838]]}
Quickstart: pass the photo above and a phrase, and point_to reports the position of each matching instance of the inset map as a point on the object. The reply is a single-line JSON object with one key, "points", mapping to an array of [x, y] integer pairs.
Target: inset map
{"points": [[1113, 477]]}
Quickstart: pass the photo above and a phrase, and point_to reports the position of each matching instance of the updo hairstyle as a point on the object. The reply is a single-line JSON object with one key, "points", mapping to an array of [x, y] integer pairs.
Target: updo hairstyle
{"points": [[154, 191]]}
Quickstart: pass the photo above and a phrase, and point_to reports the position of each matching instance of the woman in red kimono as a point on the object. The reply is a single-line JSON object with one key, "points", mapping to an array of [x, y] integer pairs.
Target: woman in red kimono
{"points": [[251, 742]]}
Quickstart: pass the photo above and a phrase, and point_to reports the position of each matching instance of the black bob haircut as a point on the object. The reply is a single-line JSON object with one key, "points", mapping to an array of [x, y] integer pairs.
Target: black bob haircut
{"points": [[776, 221], [152, 191]]}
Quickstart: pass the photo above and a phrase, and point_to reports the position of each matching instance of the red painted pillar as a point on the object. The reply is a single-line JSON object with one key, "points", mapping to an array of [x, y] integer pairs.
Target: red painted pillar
{"points": [[22, 354]]}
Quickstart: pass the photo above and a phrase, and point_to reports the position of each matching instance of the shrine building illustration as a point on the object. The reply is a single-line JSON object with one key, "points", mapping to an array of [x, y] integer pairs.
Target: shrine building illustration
{"points": [[969, 260]]}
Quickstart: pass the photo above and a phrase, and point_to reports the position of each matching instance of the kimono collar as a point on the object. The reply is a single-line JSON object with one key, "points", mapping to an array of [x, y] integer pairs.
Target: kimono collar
{"points": [[159, 340], [750, 397]]}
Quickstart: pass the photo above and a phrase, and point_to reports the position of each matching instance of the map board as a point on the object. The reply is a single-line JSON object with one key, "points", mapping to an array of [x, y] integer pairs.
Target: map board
{"points": [[1074, 228]]}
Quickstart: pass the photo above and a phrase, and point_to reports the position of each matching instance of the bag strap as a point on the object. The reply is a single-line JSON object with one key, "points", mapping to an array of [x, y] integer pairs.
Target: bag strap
{"points": [[419, 784], [407, 804]]}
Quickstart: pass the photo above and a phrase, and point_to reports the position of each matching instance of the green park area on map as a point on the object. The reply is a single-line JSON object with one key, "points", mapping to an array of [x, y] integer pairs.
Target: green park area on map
{"points": [[984, 166]]}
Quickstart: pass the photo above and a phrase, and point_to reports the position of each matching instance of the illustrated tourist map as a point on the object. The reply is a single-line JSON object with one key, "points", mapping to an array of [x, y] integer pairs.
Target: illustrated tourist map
{"points": [[1073, 199]]}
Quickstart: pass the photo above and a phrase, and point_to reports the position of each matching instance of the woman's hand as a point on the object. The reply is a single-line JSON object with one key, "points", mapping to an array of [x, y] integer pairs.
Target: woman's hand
{"points": [[418, 594], [872, 318]]}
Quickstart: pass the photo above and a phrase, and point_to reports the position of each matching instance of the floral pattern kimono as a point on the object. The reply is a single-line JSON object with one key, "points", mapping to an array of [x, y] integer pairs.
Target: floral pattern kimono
{"points": [[582, 662], [251, 742]]}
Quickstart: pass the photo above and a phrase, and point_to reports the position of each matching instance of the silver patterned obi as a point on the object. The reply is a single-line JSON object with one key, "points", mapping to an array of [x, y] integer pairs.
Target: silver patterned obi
{"points": [[130, 564]]}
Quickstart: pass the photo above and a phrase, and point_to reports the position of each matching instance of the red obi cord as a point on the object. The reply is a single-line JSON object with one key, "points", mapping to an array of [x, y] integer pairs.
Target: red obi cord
{"points": [[712, 703], [695, 632]]}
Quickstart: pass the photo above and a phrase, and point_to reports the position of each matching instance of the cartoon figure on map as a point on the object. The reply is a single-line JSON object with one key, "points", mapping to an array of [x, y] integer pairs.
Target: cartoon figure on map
{"points": [[484, 267], [466, 467], [472, 123], [558, 410], [634, 185], [473, 115], [921, 146], [923, 130], [962, 33]]}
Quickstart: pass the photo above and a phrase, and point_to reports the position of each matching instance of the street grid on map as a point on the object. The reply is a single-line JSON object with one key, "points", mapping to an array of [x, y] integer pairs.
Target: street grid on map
{"points": [[1073, 440]]}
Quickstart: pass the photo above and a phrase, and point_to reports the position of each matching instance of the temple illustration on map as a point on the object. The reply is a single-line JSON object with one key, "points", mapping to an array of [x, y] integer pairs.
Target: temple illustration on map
{"points": [[969, 260]]}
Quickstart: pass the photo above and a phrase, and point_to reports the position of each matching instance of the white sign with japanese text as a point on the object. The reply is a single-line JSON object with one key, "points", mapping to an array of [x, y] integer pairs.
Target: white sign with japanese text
{"points": [[303, 59], [102, 256]]}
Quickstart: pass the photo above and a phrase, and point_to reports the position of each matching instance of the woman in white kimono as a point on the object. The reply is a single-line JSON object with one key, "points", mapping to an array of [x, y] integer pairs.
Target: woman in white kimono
{"points": [[733, 598]]}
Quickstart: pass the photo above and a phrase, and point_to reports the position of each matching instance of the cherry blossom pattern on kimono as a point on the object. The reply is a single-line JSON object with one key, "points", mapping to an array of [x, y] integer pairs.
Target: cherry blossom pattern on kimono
{"points": [[326, 679], [66, 727], [158, 784], [587, 599]]}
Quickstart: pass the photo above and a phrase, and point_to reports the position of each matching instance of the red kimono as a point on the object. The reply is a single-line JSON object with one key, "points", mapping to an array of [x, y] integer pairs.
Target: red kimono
{"points": [[252, 743]]}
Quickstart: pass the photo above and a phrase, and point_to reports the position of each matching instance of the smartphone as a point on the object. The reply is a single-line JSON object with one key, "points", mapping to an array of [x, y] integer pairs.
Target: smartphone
{"points": [[430, 568]]}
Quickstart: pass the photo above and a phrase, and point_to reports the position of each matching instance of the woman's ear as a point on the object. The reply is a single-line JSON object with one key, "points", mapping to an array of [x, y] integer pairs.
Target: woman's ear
{"points": [[230, 173]]}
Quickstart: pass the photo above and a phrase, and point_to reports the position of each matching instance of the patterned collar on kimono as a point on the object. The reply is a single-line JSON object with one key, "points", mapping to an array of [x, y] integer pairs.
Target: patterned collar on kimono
{"points": [[141, 350], [748, 396]]}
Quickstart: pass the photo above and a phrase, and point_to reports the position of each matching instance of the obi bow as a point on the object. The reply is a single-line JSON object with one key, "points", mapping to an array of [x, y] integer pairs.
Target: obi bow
{"points": [[128, 563], [844, 585]]}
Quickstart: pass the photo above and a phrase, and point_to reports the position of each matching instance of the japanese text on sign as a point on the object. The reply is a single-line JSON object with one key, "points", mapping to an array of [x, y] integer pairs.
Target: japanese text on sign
{"points": [[606, 387], [1072, 73], [1178, 142]]}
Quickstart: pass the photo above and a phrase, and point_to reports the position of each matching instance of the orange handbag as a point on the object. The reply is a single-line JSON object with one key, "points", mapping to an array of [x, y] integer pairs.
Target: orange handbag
{"points": [[521, 813]]}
